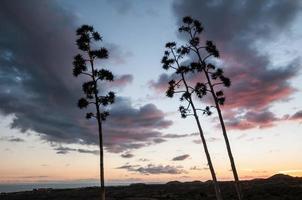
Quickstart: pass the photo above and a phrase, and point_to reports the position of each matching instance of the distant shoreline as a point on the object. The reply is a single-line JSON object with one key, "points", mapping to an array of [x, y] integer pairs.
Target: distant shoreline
{"points": [[277, 187], [23, 187]]}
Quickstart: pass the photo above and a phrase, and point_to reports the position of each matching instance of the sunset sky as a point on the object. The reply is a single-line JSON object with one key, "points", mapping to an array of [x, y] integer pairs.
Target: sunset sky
{"points": [[44, 137]]}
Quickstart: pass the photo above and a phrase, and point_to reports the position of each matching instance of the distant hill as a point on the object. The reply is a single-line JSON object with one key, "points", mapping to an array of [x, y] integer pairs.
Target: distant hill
{"points": [[276, 187], [281, 177], [173, 182]]}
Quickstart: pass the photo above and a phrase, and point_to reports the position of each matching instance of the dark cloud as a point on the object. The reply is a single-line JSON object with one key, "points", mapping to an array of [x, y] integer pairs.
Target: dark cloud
{"points": [[153, 169], [11, 139], [95, 152], [236, 26], [127, 155], [253, 119], [65, 150], [160, 169], [198, 168], [159, 140], [37, 86], [297, 115], [128, 166], [117, 55], [161, 85], [181, 157], [129, 128], [172, 136], [258, 119], [122, 80]]}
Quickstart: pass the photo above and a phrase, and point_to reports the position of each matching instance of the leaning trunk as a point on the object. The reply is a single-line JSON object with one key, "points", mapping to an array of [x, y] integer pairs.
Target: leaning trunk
{"points": [[234, 170], [226, 139], [235, 174], [216, 186]]}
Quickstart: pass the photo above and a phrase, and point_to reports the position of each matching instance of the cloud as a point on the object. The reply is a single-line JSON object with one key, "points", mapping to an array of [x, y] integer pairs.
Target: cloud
{"points": [[123, 80], [258, 119], [130, 128], [143, 160], [95, 152], [37, 86], [161, 85], [122, 7], [290, 171], [210, 139], [127, 166], [160, 169], [252, 119], [172, 136], [116, 54], [255, 171], [197, 141], [198, 168], [239, 28], [181, 157], [12, 139], [66, 150], [127, 155], [153, 169], [297, 115]]}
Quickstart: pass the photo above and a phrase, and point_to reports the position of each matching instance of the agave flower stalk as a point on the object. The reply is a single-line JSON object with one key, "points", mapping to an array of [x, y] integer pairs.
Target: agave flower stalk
{"points": [[171, 60], [215, 78], [84, 64]]}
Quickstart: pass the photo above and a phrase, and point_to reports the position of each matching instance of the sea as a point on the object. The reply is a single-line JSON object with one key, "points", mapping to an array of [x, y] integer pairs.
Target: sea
{"points": [[6, 188]]}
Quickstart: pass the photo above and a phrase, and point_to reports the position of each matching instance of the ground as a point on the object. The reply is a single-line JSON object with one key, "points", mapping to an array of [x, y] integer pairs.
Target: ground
{"points": [[278, 187]]}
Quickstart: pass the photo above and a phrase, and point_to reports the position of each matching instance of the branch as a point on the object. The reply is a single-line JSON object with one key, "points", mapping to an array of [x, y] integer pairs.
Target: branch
{"points": [[191, 48], [220, 83], [85, 73], [204, 59], [177, 83], [92, 102], [199, 109], [173, 67], [188, 106], [207, 70], [201, 48], [180, 91]]}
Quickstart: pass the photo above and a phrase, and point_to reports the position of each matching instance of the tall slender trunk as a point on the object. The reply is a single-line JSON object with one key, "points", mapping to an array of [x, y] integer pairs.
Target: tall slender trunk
{"points": [[101, 154], [99, 120], [216, 185], [226, 139], [236, 177]]}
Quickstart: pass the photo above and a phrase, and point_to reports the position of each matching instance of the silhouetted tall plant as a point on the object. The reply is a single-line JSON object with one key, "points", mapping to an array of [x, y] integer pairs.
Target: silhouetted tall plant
{"points": [[172, 60], [215, 79], [84, 64]]}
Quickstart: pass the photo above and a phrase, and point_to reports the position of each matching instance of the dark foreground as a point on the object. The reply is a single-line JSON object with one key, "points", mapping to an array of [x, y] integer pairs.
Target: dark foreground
{"points": [[278, 187]]}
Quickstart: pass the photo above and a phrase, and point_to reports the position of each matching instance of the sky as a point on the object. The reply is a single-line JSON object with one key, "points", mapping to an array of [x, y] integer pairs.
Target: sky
{"points": [[44, 137]]}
